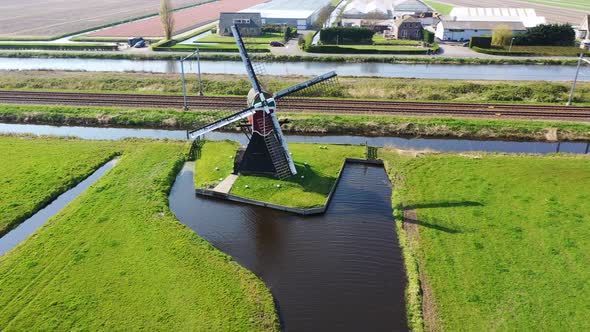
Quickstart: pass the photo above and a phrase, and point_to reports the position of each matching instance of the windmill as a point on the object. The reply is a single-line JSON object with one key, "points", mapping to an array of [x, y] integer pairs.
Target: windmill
{"points": [[267, 152]]}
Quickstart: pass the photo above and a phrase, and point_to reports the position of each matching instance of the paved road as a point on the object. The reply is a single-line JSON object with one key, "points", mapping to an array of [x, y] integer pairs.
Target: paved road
{"points": [[553, 14]]}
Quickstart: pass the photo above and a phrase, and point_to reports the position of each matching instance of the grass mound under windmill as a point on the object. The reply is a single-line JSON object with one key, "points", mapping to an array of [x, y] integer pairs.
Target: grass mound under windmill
{"points": [[309, 188]]}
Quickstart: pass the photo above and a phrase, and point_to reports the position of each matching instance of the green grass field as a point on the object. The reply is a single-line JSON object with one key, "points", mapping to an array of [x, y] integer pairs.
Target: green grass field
{"points": [[575, 4], [380, 40], [117, 259], [265, 39], [503, 240], [324, 163], [398, 89], [36, 171], [440, 7]]}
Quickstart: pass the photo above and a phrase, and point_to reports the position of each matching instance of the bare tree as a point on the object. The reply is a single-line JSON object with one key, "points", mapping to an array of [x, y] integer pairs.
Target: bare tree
{"points": [[501, 35], [167, 18], [323, 16]]}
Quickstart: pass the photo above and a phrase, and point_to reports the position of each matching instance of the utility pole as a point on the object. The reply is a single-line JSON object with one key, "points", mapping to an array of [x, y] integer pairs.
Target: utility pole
{"points": [[580, 59], [511, 43], [182, 60]]}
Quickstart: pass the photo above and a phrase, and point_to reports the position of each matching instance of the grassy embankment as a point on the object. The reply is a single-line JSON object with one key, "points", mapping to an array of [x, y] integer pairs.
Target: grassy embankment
{"points": [[35, 171], [441, 8], [295, 58], [398, 89], [501, 241], [116, 258], [302, 123], [324, 163]]}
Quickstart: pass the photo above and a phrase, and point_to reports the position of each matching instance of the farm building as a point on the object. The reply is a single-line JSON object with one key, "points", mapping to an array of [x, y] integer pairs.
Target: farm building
{"points": [[410, 7], [454, 30], [250, 24], [407, 28], [300, 14], [527, 16], [383, 14]]}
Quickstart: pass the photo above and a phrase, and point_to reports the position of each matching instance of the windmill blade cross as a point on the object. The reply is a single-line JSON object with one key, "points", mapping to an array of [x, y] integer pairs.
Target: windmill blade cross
{"points": [[194, 134], [246, 59], [304, 85]]}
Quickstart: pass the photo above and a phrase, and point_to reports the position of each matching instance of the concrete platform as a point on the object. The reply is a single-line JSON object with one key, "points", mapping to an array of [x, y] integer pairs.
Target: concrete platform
{"points": [[225, 186]]}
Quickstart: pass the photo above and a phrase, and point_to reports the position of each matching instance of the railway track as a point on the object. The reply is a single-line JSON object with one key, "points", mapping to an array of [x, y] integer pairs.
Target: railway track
{"points": [[575, 113]]}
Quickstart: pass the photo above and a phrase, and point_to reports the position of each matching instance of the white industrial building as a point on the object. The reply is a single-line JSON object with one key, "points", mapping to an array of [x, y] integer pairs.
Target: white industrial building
{"points": [[301, 14], [464, 23], [453, 30], [527, 16]]}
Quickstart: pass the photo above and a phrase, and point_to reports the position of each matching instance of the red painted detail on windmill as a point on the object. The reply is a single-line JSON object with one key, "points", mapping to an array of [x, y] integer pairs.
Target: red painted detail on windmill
{"points": [[262, 123]]}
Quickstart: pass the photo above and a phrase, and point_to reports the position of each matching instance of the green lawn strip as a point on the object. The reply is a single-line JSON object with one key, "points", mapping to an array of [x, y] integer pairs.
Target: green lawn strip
{"points": [[215, 164], [299, 122], [34, 172], [265, 39], [393, 89], [367, 49], [503, 239], [380, 40], [213, 48], [324, 163], [441, 8], [532, 51], [117, 259]]}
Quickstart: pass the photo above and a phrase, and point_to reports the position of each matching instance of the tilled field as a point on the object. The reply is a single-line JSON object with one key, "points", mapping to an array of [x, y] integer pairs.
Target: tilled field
{"points": [[553, 14], [33, 18], [183, 20]]}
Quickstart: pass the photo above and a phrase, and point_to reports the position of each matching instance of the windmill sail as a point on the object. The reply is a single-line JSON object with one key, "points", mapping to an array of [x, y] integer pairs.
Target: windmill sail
{"points": [[246, 59]]}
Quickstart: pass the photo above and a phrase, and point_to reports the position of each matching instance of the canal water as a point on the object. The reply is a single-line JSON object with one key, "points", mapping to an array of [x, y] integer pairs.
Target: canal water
{"points": [[341, 271], [29, 226], [450, 145], [467, 72]]}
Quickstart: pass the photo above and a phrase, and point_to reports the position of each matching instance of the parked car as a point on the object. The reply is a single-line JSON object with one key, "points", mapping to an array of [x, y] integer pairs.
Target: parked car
{"points": [[140, 44], [466, 44], [133, 41], [276, 44]]}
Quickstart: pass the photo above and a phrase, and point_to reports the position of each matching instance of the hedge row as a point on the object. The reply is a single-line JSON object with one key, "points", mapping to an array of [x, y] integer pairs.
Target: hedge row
{"points": [[481, 42], [499, 51]]}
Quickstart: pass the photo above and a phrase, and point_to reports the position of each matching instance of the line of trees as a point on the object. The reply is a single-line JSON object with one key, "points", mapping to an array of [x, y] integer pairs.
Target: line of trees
{"points": [[547, 35]]}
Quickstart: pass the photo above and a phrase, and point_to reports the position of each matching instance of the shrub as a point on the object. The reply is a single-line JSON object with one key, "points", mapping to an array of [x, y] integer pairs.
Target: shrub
{"points": [[428, 36], [501, 35], [482, 42], [346, 35], [308, 41], [548, 35]]}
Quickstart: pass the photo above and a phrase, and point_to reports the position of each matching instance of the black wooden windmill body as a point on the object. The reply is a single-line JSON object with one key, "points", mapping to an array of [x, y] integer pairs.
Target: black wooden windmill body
{"points": [[267, 152]]}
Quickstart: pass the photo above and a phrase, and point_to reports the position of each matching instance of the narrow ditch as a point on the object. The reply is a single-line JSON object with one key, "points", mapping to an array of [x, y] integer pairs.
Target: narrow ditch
{"points": [[29, 226]]}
